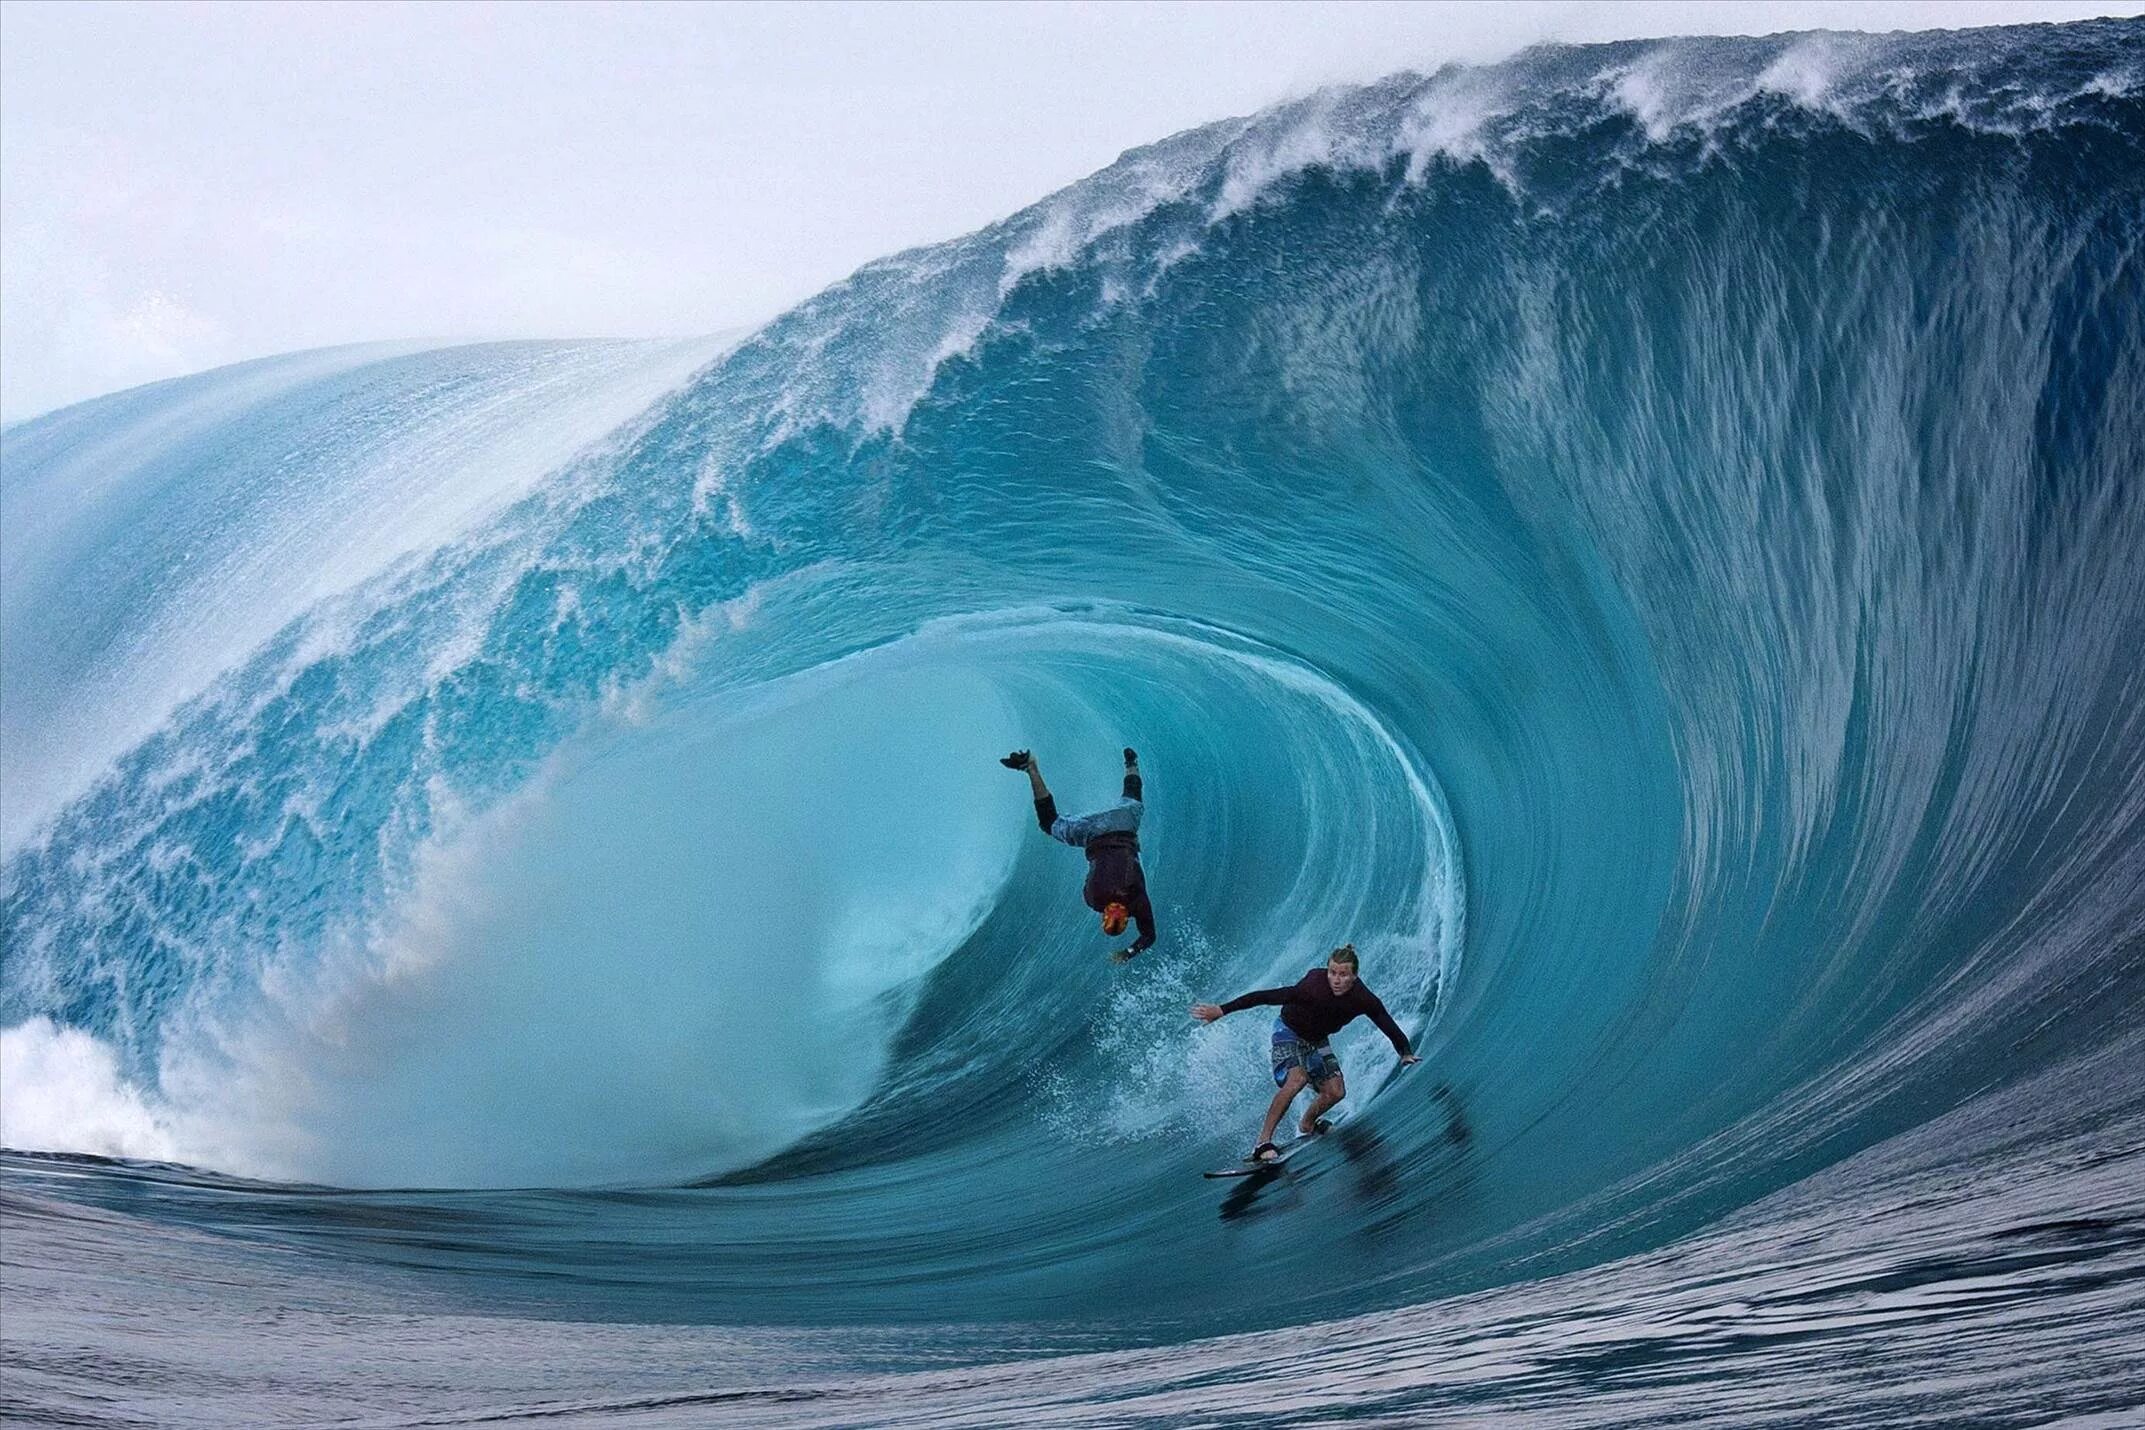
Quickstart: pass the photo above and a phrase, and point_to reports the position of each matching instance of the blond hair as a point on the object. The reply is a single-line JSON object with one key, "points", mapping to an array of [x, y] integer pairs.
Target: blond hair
{"points": [[1346, 953]]}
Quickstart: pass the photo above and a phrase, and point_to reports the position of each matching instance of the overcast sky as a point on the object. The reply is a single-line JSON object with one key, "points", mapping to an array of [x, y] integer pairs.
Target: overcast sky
{"points": [[183, 186]]}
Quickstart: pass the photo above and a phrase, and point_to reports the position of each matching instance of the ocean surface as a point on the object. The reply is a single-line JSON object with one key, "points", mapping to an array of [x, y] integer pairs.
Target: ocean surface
{"points": [[511, 909]]}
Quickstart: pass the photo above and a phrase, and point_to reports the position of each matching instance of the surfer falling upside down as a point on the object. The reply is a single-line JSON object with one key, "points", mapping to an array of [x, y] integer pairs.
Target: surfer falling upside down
{"points": [[1313, 1009], [1116, 886]]}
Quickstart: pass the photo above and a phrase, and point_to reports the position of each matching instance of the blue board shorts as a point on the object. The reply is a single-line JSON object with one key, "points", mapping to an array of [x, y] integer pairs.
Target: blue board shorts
{"points": [[1317, 1060]]}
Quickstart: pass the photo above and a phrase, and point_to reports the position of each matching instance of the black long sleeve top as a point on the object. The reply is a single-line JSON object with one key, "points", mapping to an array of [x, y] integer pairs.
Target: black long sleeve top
{"points": [[1315, 1012]]}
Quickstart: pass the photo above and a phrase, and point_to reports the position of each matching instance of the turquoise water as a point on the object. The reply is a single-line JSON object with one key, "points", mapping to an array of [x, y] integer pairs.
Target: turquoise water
{"points": [[1644, 540]]}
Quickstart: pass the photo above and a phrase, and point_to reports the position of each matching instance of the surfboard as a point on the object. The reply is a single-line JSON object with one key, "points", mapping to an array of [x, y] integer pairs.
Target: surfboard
{"points": [[1288, 1149], [1254, 1169]]}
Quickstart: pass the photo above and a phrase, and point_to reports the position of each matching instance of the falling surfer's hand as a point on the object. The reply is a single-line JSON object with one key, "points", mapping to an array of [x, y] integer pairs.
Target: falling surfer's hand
{"points": [[1018, 760]]}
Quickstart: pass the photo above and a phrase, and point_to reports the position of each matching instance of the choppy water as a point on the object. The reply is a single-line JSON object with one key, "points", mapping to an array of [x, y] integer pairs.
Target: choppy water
{"points": [[507, 877]]}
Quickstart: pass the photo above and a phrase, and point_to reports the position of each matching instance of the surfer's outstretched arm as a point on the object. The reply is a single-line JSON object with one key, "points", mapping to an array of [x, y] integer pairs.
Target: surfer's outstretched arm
{"points": [[1143, 915], [1391, 1029], [1210, 1012]]}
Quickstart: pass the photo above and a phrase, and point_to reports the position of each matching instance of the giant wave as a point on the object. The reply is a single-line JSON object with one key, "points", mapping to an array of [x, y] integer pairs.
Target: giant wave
{"points": [[1643, 539]]}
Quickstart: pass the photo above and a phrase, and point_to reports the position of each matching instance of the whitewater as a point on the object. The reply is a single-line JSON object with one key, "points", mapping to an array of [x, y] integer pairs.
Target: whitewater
{"points": [[511, 909]]}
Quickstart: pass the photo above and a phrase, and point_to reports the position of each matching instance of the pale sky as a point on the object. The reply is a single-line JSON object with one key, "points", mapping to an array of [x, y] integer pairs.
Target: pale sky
{"points": [[187, 185]]}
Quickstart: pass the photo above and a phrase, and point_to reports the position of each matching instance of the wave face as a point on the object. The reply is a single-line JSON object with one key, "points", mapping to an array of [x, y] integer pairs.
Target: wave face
{"points": [[1645, 540]]}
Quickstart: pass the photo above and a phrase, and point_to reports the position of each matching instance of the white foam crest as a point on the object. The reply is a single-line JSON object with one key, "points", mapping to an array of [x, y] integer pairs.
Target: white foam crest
{"points": [[61, 1090], [1665, 93], [1052, 243], [907, 315], [1641, 91], [1270, 152], [1450, 118], [2118, 83], [907, 329], [1672, 88], [958, 340], [1806, 71], [1054, 234], [1167, 259], [1067, 225]]}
